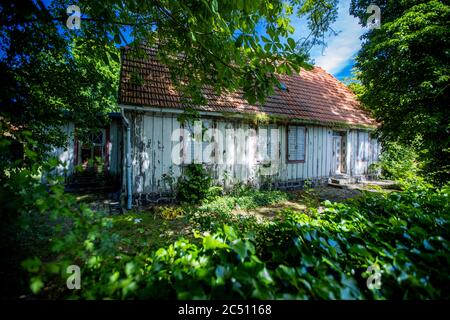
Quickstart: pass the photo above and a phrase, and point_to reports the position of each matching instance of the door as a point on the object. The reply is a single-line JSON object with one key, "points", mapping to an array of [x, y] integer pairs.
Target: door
{"points": [[337, 154]]}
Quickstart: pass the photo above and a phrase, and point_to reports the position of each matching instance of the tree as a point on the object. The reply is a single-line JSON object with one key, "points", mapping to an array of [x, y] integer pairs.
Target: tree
{"points": [[405, 70], [353, 83], [46, 74], [49, 68]]}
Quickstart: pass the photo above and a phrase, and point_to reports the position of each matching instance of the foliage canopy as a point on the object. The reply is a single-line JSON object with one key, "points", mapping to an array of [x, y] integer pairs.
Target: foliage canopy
{"points": [[48, 69], [405, 69], [300, 255]]}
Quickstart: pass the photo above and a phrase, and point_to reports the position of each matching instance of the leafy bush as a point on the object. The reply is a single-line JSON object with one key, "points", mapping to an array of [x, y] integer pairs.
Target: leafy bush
{"points": [[193, 186], [49, 227], [212, 214], [405, 234], [169, 212], [322, 255], [213, 193], [398, 162]]}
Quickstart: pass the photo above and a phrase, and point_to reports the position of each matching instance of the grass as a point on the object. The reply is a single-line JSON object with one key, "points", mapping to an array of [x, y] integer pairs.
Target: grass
{"points": [[270, 220], [141, 247], [147, 230]]}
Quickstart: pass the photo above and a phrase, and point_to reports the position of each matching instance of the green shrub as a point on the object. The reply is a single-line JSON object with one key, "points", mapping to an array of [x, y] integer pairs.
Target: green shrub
{"points": [[193, 186], [169, 212], [322, 255], [398, 162], [215, 212], [213, 193], [212, 215]]}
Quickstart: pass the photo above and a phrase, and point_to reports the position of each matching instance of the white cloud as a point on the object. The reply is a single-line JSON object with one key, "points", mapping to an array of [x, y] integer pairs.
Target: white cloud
{"points": [[342, 48]]}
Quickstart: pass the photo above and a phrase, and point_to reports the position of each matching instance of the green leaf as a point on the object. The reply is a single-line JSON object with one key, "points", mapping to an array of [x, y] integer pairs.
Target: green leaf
{"points": [[32, 265], [291, 43], [229, 232], [240, 247], [214, 6], [265, 276], [360, 250], [192, 36], [130, 267], [36, 285], [210, 243], [265, 39]]}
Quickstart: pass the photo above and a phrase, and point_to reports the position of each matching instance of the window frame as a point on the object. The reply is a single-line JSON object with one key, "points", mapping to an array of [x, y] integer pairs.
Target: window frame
{"points": [[189, 143], [361, 146], [269, 149], [287, 144]]}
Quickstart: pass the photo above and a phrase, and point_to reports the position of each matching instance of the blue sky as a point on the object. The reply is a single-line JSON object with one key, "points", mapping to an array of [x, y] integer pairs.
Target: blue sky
{"points": [[338, 57]]}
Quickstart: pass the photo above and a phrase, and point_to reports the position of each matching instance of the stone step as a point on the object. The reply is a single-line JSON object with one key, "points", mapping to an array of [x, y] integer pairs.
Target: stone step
{"points": [[115, 207], [340, 181]]}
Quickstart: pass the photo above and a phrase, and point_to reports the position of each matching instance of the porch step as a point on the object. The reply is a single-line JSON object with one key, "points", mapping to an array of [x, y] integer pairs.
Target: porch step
{"points": [[361, 183], [115, 207], [341, 180]]}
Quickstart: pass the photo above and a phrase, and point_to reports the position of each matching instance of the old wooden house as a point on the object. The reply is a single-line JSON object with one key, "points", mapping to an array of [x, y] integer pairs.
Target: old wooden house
{"points": [[311, 128]]}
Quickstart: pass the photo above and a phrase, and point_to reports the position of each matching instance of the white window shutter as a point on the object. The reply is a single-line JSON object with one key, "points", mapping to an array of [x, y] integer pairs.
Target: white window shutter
{"points": [[296, 143], [300, 143], [292, 143]]}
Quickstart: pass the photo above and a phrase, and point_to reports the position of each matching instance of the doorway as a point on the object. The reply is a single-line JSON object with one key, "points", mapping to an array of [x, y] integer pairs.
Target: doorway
{"points": [[339, 164]]}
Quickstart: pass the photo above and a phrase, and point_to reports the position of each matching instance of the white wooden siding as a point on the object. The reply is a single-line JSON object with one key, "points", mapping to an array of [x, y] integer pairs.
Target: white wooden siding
{"points": [[152, 149], [66, 153]]}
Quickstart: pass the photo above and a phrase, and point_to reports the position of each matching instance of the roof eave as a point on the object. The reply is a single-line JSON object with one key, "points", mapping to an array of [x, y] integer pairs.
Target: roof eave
{"points": [[251, 117]]}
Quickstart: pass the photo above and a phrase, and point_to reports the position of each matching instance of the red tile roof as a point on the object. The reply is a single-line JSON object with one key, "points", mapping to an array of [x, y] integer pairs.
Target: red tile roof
{"points": [[313, 95]]}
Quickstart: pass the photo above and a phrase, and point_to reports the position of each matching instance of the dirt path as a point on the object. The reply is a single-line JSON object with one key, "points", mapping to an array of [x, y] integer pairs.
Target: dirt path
{"points": [[301, 201], [336, 194], [269, 212]]}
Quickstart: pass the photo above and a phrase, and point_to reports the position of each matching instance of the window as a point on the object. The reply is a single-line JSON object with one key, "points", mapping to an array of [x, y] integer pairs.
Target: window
{"points": [[208, 143], [191, 146], [93, 148], [200, 149], [264, 146], [97, 138], [362, 146], [296, 144]]}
